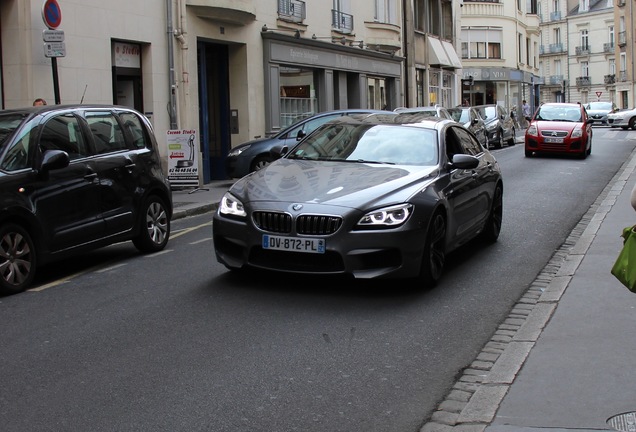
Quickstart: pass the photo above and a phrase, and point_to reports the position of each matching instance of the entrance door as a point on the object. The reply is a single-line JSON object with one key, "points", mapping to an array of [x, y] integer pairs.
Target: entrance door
{"points": [[214, 109]]}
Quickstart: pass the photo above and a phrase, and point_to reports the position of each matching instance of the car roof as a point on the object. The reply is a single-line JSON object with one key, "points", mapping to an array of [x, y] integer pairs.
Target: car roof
{"points": [[562, 104], [393, 118], [326, 113], [49, 108]]}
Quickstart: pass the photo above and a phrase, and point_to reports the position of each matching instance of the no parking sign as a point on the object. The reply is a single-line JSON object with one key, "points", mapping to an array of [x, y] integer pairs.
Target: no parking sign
{"points": [[52, 14]]}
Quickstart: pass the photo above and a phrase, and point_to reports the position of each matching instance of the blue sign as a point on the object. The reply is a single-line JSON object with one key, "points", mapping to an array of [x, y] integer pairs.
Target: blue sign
{"points": [[51, 14]]}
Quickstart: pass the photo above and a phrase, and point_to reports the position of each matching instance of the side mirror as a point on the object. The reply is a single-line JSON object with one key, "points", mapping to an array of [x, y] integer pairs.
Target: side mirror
{"points": [[54, 159], [464, 161]]}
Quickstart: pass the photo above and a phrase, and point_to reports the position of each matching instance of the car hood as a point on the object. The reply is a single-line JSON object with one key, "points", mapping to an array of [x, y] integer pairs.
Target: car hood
{"points": [[557, 125], [595, 112], [256, 141], [347, 184]]}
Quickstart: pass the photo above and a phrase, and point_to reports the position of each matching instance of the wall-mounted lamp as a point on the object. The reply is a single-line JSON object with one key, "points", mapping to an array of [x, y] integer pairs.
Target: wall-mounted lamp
{"points": [[296, 32]]}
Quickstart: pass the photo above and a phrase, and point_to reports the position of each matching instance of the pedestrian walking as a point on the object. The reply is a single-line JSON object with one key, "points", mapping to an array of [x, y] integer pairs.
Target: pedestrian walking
{"points": [[525, 109]]}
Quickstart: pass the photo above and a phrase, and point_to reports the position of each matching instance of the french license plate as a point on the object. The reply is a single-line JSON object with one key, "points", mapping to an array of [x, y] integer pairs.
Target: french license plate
{"points": [[553, 140], [294, 244]]}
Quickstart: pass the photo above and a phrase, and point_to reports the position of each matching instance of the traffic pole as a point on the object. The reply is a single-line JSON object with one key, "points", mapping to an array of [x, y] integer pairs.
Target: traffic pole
{"points": [[56, 84]]}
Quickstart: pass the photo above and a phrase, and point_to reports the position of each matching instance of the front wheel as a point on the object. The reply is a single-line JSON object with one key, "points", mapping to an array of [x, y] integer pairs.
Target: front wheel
{"points": [[434, 255], [632, 123], [493, 225], [18, 259], [154, 229], [513, 137], [500, 141]]}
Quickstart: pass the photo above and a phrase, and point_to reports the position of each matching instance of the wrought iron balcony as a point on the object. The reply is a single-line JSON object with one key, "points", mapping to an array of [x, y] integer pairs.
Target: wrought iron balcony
{"points": [[555, 16], [556, 48], [292, 10], [341, 21], [622, 76], [608, 47], [622, 38], [582, 50], [555, 80], [609, 79], [621, 3], [583, 81]]}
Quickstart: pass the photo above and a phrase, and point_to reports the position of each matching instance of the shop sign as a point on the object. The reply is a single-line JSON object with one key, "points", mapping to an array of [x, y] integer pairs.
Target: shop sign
{"points": [[183, 164]]}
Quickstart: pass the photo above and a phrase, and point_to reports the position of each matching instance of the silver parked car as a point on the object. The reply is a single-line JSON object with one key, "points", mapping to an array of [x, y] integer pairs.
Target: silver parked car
{"points": [[500, 126], [375, 196], [432, 111], [624, 119], [597, 111]]}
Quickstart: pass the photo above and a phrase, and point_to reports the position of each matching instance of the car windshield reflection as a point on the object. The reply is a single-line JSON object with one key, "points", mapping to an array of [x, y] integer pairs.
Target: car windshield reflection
{"points": [[380, 144]]}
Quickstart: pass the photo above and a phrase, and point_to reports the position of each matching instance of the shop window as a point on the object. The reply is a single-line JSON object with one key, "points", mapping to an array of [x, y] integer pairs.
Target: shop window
{"points": [[297, 95]]}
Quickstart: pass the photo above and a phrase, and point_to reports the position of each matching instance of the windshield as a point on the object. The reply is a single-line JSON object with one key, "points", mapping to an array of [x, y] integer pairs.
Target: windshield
{"points": [[459, 115], [487, 113], [559, 113], [8, 124], [386, 144], [599, 106]]}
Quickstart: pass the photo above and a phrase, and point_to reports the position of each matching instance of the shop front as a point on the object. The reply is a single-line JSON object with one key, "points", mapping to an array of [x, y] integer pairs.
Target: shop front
{"points": [[305, 76]]}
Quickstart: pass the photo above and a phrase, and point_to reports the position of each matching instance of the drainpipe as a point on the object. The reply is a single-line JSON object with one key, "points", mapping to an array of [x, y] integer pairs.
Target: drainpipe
{"points": [[181, 34], [405, 54], [172, 107]]}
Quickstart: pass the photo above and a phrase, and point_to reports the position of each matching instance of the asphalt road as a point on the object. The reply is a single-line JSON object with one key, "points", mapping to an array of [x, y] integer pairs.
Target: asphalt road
{"points": [[174, 342]]}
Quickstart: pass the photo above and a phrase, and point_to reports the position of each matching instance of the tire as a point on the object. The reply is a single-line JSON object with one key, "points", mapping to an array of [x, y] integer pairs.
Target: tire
{"points": [[632, 123], [18, 259], [528, 153], [491, 231], [512, 139], [154, 226], [500, 142], [260, 162], [434, 255]]}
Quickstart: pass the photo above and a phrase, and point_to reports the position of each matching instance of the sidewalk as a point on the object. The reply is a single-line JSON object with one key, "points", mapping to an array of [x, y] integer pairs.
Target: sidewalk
{"points": [[562, 359]]}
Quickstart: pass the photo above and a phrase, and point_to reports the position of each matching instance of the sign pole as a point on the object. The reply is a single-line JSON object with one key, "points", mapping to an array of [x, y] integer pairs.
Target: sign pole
{"points": [[56, 82]]}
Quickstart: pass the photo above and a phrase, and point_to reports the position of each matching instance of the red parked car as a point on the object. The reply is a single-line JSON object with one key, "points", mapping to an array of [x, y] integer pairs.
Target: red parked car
{"points": [[562, 128]]}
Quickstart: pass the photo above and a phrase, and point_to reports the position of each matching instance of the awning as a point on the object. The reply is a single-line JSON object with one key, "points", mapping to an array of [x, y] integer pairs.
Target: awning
{"points": [[452, 55], [436, 54]]}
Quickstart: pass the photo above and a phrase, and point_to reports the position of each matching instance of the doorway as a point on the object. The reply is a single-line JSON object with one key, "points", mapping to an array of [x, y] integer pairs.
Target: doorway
{"points": [[214, 109]]}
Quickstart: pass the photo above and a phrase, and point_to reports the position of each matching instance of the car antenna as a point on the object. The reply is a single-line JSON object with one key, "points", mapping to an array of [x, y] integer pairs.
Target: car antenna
{"points": [[81, 101]]}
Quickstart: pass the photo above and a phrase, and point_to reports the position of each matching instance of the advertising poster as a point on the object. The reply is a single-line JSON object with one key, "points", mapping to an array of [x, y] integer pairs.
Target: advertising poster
{"points": [[183, 166]]}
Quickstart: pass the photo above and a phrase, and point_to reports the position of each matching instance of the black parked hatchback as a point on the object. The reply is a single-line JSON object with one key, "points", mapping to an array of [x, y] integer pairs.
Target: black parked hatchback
{"points": [[75, 178]]}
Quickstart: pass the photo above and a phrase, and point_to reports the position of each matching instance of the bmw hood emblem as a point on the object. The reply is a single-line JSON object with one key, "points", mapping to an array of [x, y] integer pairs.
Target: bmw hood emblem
{"points": [[297, 207]]}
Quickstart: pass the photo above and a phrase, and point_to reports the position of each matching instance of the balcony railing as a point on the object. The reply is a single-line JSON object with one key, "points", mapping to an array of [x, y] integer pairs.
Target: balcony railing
{"points": [[341, 21], [555, 16], [556, 48], [608, 47], [582, 50], [622, 38], [622, 76], [620, 2], [292, 10], [583, 81], [609, 79], [555, 80]]}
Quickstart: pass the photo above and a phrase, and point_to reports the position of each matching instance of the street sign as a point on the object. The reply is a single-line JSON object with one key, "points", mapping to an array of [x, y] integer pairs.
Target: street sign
{"points": [[51, 14], [598, 94], [54, 49], [53, 35]]}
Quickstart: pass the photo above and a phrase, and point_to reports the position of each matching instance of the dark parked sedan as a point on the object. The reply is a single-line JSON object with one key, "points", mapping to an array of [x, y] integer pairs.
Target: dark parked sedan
{"points": [[470, 118], [254, 155], [74, 178], [367, 197], [500, 126]]}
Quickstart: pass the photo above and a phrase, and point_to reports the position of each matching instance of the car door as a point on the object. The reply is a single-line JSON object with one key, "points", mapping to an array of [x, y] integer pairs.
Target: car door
{"points": [[119, 167], [462, 188], [484, 178], [66, 201]]}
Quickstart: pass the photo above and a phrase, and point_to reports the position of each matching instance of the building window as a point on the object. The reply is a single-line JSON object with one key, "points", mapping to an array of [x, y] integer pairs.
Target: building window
{"points": [[386, 11], [585, 40], [420, 75], [428, 17], [481, 42], [585, 69]]}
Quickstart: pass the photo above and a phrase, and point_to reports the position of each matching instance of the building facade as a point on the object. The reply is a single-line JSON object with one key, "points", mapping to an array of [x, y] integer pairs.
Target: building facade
{"points": [[553, 50], [233, 70], [500, 52], [624, 77]]}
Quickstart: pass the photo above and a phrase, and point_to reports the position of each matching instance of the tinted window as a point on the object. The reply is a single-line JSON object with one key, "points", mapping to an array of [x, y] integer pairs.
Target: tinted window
{"points": [[107, 134], [64, 133], [470, 145], [136, 129]]}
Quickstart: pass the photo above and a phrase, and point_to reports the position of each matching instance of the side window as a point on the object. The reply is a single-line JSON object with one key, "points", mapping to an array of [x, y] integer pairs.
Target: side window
{"points": [[17, 156], [453, 145], [311, 125], [136, 130], [470, 145], [107, 134], [64, 133]]}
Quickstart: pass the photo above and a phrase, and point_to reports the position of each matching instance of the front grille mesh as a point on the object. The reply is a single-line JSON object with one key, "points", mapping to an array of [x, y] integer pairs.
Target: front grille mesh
{"points": [[277, 222], [556, 134]]}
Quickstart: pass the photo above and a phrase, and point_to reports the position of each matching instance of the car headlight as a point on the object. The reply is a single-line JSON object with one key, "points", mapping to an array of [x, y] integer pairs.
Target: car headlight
{"points": [[387, 217], [577, 132], [230, 206], [237, 151], [532, 130]]}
